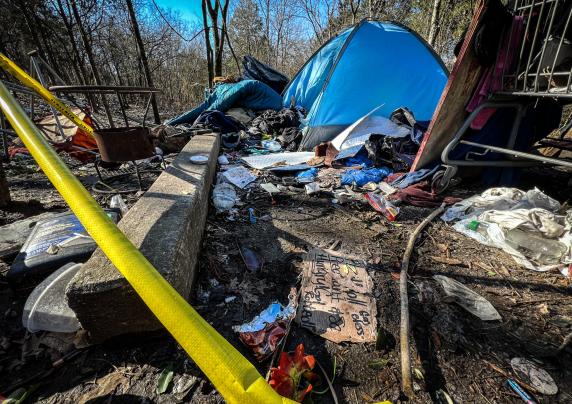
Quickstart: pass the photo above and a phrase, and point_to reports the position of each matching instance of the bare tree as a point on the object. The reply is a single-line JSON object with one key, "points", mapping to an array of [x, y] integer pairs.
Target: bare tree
{"points": [[89, 52], [143, 57], [434, 30]]}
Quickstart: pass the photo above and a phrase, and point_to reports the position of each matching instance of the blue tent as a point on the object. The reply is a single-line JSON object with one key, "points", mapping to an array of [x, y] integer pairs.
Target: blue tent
{"points": [[370, 64]]}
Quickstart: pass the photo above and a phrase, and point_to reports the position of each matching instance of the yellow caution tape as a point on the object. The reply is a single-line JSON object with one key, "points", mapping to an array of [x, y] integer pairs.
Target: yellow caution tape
{"points": [[233, 375], [12, 68]]}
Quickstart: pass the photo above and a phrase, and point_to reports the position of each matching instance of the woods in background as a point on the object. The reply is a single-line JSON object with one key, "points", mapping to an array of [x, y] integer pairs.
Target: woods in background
{"points": [[140, 43]]}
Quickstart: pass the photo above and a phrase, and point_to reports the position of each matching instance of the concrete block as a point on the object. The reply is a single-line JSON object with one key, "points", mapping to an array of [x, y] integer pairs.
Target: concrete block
{"points": [[166, 225]]}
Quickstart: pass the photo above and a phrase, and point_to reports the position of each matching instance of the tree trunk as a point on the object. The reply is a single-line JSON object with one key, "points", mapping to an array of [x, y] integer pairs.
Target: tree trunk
{"points": [[143, 57], [434, 30], [208, 46], [90, 56], [78, 65], [4, 190]]}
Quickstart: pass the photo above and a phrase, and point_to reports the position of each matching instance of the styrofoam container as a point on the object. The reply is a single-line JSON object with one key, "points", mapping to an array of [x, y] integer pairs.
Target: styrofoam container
{"points": [[46, 308]]}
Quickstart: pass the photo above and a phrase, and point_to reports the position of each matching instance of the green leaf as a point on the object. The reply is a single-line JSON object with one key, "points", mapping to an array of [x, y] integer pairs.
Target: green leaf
{"points": [[378, 364], [165, 379], [418, 374], [443, 397], [20, 395]]}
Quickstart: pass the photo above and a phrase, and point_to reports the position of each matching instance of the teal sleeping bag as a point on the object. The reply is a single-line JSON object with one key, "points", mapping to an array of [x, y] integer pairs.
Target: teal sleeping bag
{"points": [[251, 94]]}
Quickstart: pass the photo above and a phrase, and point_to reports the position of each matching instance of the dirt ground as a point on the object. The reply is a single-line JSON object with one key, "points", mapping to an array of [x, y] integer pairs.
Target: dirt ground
{"points": [[453, 351]]}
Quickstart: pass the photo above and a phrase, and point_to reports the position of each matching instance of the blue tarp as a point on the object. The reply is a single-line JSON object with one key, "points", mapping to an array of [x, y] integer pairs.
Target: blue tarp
{"points": [[251, 94], [371, 64]]}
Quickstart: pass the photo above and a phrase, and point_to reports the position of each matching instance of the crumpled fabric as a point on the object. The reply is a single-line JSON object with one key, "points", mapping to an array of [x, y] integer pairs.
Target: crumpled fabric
{"points": [[420, 195], [534, 220], [504, 209], [500, 198], [250, 94], [217, 122], [408, 179]]}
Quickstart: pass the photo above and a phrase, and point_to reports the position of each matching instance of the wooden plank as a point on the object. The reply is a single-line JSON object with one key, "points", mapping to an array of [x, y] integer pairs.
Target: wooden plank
{"points": [[450, 112]]}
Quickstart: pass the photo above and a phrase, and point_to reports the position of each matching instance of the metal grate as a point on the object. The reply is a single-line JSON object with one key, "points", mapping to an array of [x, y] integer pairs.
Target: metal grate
{"points": [[543, 66]]}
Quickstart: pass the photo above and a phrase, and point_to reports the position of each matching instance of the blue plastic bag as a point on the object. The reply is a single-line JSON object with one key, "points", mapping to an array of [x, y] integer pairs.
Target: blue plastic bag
{"points": [[362, 177], [308, 174]]}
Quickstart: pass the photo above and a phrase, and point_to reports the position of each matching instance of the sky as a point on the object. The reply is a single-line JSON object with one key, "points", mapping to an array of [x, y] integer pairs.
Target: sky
{"points": [[189, 10]]}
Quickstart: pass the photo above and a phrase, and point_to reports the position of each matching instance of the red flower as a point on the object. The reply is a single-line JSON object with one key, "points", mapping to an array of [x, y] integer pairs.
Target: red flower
{"points": [[286, 378]]}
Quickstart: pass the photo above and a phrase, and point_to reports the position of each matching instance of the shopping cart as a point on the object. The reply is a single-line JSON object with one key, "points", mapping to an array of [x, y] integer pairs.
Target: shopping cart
{"points": [[541, 67]]}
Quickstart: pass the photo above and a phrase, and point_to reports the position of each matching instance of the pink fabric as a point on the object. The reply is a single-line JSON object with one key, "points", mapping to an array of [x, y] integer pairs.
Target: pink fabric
{"points": [[491, 81]]}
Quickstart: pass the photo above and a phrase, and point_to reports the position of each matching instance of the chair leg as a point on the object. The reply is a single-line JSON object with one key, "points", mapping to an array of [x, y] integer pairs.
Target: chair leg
{"points": [[96, 165], [138, 175]]}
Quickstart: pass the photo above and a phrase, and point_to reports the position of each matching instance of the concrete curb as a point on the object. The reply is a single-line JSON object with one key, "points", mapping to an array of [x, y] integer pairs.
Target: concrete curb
{"points": [[166, 225]]}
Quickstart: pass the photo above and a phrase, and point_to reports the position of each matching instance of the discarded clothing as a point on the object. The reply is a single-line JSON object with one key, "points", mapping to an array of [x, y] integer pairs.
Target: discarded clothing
{"points": [[217, 122], [420, 195], [273, 122], [412, 178], [491, 80], [256, 70], [362, 177], [249, 94]]}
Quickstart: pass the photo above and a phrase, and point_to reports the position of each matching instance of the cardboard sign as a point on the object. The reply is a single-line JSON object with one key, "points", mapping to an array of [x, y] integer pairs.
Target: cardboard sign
{"points": [[336, 301]]}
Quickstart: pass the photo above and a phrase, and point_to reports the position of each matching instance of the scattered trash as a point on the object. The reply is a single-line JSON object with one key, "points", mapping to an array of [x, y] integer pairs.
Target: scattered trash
{"points": [[14, 235], [224, 197], [252, 261], [117, 202], [230, 299], [362, 177], [199, 159], [386, 189], [336, 301], [71, 244], [239, 176], [270, 188], [307, 176], [520, 391], [271, 145], [46, 308], [534, 375], [165, 379], [265, 332], [382, 205], [467, 299], [223, 160], [251, 216], [312, 188], [293, 377], [526, 225], [275, 159]]}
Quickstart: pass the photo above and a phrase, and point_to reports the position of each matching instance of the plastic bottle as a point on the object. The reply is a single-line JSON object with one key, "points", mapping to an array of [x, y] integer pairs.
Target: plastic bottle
{"points": [[542, 250], [479, 227]]}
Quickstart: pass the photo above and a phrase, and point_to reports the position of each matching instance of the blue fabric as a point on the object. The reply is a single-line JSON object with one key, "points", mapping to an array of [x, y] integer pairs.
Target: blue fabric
{"points": [[310, 173], [249, 94], [383, 63], [362, 177]]}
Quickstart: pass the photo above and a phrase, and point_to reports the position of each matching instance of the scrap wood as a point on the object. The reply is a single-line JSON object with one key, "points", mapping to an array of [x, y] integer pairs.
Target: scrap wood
{"points": [[404, 326]]}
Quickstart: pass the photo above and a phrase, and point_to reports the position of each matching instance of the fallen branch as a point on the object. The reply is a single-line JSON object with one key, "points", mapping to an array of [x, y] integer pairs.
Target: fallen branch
{"points": [[406, 381]]}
